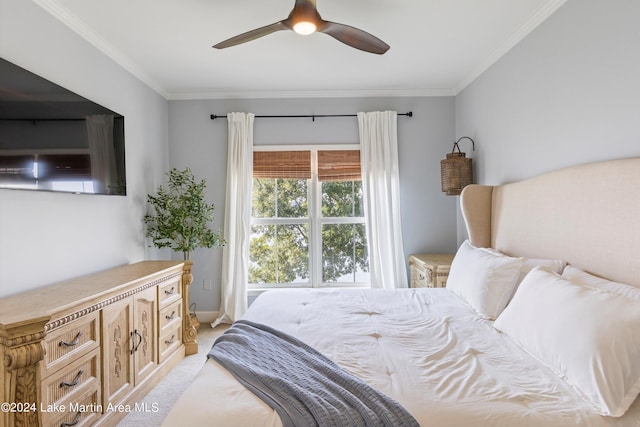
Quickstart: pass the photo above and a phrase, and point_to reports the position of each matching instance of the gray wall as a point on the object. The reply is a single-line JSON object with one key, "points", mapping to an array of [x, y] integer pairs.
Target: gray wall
{"points": [[428, 215], [46, 237], [567, 94]]}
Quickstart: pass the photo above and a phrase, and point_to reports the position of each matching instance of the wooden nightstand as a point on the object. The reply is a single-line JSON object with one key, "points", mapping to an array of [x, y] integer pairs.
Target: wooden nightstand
{"points": [[429, 270]]}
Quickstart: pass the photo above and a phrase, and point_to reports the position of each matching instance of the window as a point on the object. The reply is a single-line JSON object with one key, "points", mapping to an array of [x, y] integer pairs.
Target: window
{"points": [[307, 225]]}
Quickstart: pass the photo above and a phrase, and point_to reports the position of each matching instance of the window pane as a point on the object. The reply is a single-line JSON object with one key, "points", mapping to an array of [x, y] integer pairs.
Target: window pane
{"points": [[279, 198], [292, 198], [263, 198], [279, 254], [342, 199], [344, 253]]}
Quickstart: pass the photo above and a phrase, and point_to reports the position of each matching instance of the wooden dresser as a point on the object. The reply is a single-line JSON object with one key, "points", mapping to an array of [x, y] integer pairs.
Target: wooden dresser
{"points": [[85, 351]]}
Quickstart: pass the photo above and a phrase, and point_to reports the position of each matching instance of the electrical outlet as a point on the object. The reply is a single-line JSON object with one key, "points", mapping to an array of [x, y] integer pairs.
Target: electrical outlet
{"points": [[207, 284]]}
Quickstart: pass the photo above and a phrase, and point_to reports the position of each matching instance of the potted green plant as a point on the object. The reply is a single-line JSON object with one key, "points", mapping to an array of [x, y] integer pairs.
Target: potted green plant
{"points": [[179, 215]]}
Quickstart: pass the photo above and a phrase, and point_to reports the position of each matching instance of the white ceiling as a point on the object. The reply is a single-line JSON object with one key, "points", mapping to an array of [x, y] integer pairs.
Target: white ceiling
{"points": [[437, 46]]}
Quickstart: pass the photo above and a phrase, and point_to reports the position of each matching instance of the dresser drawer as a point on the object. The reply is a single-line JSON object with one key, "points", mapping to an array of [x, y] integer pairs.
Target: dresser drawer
{"points": [[70, 342], [73, 393], [169, 341], [429, 277], [81, 411], [170, 316], [169, 292], [82, 374], [421, 278]]}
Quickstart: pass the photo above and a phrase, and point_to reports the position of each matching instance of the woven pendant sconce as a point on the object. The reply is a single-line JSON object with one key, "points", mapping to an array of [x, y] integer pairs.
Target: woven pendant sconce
{"points": [[456, 171]]}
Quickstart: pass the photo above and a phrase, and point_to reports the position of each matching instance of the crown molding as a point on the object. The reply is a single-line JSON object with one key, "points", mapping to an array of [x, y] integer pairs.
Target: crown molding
{"points": [[540, 16], [73, 23], [384, 93]]}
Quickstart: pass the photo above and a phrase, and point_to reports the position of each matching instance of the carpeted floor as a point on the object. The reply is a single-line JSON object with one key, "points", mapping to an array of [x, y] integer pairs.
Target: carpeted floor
{"points": [[165, 394]]}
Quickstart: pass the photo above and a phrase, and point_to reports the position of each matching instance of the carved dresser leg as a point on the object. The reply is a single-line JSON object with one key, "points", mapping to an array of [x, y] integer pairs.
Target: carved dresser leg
{"points": [[21, 355], [189, 331]]}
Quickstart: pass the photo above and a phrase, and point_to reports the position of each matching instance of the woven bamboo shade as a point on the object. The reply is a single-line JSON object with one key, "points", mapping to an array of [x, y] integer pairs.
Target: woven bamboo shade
{"points": [[456, 171], [282, 164], [339, 165]]}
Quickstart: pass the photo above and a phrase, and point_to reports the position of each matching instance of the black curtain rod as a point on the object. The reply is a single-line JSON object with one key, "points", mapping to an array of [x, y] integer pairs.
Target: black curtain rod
{"points": [[42, 120], [311, 116]]}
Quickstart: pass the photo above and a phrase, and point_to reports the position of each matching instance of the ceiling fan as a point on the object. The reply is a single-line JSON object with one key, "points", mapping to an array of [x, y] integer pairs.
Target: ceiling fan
{"points": [[305, 19]]}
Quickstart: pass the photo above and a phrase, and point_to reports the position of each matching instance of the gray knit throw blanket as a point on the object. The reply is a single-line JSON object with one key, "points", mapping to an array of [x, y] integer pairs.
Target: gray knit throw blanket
{"points": [[304, 387]]}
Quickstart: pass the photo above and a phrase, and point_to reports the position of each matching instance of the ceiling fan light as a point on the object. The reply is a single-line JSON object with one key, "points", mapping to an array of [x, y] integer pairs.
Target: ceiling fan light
{"points": [[304, 27]]}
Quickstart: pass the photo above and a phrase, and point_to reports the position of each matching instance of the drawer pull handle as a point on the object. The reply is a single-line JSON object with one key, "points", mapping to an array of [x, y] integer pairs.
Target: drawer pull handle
{"points": [[170, 291], [73, 343], [170, 317], [75, 421], [134, 347], [170, 340], [76, 380]]}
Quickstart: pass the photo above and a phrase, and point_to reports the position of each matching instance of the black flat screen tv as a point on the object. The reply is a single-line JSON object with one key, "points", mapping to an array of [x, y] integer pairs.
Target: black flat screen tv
{"points": [[52, 139]]}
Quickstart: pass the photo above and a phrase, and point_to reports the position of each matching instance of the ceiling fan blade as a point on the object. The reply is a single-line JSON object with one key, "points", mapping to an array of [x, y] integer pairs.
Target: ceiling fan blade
{"points": [[251, 35], [354, 37]]}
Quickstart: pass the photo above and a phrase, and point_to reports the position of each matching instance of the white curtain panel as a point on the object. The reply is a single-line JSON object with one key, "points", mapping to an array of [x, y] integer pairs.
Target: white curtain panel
{"points": [[381, 186], [237, 218]]}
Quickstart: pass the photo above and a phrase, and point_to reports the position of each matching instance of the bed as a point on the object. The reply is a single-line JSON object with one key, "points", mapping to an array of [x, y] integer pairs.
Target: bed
{"points": [[539, 324]]}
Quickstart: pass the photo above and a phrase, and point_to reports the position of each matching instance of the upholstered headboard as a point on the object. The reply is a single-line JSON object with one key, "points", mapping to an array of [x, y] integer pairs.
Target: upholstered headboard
{"points": [[587, 215]]}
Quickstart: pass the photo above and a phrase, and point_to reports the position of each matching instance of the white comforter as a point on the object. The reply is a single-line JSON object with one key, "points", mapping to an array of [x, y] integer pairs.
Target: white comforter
{"points": [[423, 347]]}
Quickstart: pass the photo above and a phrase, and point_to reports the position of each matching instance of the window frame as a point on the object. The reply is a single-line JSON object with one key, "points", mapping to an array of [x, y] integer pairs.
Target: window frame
{"points": [[315, 222]]}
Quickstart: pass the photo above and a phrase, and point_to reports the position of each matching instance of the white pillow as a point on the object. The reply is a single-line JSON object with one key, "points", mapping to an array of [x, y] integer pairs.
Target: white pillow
{"points": [[484, 280], [554, 265], [589, 337], [579, 276]]}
